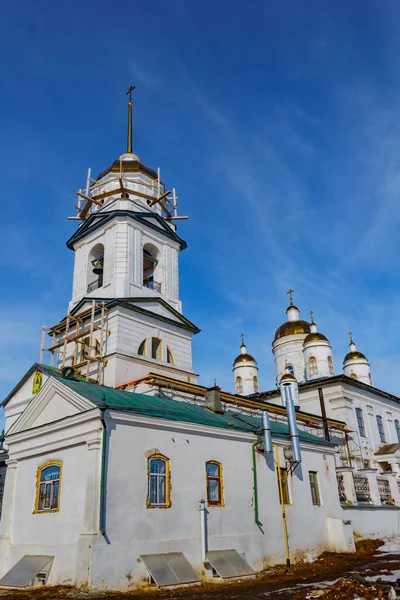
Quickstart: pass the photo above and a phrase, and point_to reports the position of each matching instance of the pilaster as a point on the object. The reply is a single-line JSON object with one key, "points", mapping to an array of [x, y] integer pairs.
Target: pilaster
{"points": [[348, 483], [7, 514], [91, 515], [371, 474]]}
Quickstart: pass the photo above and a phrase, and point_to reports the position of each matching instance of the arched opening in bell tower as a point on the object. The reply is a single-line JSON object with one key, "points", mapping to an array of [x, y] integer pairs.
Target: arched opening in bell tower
{"points": [[150, 267], [95, 268]]}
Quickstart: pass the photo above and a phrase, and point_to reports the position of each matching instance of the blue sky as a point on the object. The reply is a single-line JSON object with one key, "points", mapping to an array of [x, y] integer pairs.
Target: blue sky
{"points": [[277, 122]]}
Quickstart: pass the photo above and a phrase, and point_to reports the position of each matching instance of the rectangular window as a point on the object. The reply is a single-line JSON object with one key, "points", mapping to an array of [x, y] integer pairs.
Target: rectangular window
{"points": [[314, 487], [285, 486], [214, 484], [381, 429], [48, 482], [157, 482], [397, 426], [360, 421]]}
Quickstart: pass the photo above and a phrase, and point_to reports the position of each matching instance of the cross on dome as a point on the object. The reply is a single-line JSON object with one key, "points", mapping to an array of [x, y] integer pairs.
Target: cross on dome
{"points": [[290, 292]]}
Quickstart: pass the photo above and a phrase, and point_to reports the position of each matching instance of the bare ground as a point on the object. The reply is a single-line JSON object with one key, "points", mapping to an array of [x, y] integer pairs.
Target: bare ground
{"points": [[275, 583]]}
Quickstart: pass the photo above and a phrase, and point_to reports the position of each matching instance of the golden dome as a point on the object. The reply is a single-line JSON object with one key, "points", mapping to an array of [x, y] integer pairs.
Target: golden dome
{"points": [[292, 328], [243, 358], [354, 355], [287, 377], [313, 337], [128, 166]]}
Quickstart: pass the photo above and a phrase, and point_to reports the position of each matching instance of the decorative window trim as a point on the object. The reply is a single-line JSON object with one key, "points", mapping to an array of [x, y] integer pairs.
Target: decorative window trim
{"points": [[239, 385], [220, 479], [169, 353], [312, 366], [49, 463], [168, 487]]}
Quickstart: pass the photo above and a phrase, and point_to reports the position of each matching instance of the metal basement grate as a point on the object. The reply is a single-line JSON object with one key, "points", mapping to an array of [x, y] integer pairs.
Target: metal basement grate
{"points": [[229, 564], [171, 568], [25, 571]]}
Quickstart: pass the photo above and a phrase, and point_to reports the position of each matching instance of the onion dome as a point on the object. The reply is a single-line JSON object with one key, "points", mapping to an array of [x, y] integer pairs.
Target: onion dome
{"points": [[294, 324], [315, 335], [243, 356], [354, 354]]}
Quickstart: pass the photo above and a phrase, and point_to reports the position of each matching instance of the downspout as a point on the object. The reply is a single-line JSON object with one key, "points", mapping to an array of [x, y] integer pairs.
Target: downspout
{"points": [[323, 414], [284, 523], [255, 486], [103, 474]]}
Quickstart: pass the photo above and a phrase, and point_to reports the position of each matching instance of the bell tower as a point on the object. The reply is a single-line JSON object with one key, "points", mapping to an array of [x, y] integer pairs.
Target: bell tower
{"points": [[126, 268]]}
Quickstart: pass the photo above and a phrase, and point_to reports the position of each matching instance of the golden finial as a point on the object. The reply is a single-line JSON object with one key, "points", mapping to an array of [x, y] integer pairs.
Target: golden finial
{"points": [[130, 104], [242, 336], [351, 337], [290, 292], [311, 313]]}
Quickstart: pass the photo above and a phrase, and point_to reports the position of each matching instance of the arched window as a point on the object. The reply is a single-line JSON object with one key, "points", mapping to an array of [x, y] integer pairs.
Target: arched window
{"points": [[330, 366], [95, 268], [214, 482], [156, 348], [159, 482], [150, 263], [290, 368], [170, 357], [142, 348], [353, 375], [312, 366], [255, 383], [48, 487], [239, 385]]}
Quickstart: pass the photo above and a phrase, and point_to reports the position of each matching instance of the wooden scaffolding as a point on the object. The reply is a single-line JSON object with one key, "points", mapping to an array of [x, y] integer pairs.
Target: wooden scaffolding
{"points": [[95, 195], [68, 342]]}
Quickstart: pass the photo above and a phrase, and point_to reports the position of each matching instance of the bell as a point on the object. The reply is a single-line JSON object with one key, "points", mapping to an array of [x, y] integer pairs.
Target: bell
{"points": [[98, 267]]}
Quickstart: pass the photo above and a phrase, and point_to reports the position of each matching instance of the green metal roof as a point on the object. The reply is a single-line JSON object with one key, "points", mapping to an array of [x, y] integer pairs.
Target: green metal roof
{"points": [[173, 410]]}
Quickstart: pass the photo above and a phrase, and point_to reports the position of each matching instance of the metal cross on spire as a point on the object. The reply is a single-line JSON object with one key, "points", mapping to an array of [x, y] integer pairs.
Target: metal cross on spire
{"points": [[311, 313], [130, 104], [290, 292], [242, 336], [351, 337]]}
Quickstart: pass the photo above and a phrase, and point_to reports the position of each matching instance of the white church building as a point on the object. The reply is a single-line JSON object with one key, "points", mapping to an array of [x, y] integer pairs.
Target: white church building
{"points": [[121, 469]]}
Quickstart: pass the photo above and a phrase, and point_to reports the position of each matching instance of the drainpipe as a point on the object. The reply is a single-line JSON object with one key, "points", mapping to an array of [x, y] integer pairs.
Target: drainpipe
{"points": [[103, 474], [203, 516], [323, 414], [284, 523], [255, 487]]}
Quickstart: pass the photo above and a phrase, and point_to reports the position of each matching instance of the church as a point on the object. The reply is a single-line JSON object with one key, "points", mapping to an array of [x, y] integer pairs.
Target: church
{"points": [[119, 469]]}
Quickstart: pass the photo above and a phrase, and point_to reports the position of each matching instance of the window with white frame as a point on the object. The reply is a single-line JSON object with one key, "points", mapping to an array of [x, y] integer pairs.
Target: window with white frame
{"points": [[381, 429], [158, 482], [312, 366]]}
